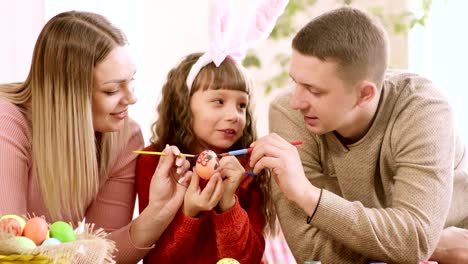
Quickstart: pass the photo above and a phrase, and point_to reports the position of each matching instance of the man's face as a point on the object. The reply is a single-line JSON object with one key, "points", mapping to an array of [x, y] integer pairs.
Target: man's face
{"points": [[325, 100]]}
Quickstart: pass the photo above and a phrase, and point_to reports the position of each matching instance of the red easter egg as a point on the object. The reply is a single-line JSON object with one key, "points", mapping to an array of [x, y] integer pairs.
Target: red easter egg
{"points": [[36, 229], [207, 164]]}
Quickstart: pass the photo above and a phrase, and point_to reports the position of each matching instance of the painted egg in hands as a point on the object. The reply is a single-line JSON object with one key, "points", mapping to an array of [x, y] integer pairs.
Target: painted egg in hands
{"points": [[227, 261], [207, 164]]}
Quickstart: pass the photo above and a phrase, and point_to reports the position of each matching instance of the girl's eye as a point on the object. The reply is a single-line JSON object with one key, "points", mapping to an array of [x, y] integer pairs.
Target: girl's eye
{"points": [[218, 101]]}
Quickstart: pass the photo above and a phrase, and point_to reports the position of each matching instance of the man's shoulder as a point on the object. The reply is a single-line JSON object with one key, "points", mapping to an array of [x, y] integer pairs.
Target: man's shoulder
{"points": [[400, 84], [283, 99], [404, 79]]}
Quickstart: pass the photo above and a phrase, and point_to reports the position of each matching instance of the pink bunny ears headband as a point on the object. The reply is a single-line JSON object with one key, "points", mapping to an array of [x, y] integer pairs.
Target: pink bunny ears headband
{"points": [[227, 39]]}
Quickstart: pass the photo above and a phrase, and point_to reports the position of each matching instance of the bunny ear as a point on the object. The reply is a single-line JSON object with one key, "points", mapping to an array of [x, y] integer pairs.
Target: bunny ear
{"points": [[218, 23], [266, 15], [264, 19], [218, 28]]}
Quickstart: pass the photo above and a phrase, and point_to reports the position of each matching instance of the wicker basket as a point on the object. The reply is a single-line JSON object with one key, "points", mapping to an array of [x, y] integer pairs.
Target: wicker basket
{"points": [[30, 259], [90, 247]]}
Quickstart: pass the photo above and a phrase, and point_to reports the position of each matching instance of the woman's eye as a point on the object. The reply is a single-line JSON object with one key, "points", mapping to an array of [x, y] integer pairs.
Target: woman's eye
{"points": [[111, 92], [243, 105]]}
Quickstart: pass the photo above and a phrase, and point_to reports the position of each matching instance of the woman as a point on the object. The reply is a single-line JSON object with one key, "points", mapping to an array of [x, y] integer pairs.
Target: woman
{"points": [[66, 141]]}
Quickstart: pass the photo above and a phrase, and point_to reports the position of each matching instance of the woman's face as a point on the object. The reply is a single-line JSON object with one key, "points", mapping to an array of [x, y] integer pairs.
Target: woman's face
{"points": [[113, 90]]}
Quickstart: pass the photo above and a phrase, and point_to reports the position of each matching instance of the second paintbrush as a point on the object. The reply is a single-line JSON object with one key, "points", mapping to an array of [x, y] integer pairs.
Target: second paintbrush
{"points": [[249, 150]]}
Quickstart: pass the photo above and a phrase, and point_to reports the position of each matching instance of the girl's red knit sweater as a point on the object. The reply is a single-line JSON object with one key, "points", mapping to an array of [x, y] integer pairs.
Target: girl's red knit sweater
{"points": [[236, 233]]}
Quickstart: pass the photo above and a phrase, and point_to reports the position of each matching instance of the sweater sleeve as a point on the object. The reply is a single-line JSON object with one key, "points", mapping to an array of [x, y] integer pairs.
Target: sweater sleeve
{"points": [[15, 160], [177, 243], [424, 169], [113, 207], [423, 156], [180, 235], [145, 168], [239, 233]]}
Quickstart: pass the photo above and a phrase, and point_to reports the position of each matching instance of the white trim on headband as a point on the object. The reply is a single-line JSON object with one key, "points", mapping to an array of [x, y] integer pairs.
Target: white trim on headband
{"points": [[196, 68]]}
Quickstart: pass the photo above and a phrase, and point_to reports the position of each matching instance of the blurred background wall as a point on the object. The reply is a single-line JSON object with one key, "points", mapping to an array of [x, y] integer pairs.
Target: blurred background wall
{"points": [[161, 32]]}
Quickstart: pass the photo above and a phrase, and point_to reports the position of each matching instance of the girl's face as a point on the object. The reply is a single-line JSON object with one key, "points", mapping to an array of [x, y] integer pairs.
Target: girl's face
{"points": [[218, 118], [112, 90]]}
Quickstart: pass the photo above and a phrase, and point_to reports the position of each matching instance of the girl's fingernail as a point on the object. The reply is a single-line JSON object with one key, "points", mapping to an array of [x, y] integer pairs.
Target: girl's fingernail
{"points": [[179, 161], [179, 170]]}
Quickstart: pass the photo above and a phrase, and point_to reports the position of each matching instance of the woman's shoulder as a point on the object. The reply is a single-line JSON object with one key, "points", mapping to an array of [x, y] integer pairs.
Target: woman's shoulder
{"points": [[10, 112], [8, 108]]}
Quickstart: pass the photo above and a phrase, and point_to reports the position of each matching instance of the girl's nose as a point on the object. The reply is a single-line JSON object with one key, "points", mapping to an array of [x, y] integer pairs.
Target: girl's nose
{"points": [[232, 114]]}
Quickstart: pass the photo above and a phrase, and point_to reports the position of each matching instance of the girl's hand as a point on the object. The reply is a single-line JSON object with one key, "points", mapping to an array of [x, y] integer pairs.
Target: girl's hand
{"points": [[232, 173], [197, 200], [169, 182]]}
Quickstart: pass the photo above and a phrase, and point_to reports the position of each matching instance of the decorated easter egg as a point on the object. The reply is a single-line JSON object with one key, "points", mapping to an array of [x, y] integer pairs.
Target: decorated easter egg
{"points": [[62, 231], [50, 242], [207, 164], [12, 222], [227, 261], [36, 229], [25, 242]]}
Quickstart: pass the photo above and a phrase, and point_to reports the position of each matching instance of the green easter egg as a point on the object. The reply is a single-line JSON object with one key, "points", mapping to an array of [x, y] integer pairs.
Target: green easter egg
{"points": [[25, 242], [62, 231]]}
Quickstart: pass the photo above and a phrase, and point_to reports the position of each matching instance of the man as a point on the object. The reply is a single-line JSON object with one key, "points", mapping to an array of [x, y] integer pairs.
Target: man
{"points": [[382, 169]]}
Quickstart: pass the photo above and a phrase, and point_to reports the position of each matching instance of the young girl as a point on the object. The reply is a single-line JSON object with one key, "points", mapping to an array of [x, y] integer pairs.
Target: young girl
{"points": [[228, 217]]}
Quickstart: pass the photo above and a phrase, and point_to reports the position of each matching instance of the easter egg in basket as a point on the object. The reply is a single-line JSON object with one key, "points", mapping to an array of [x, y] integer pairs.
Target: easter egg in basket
{"points": [[12, 223], [62, 231], [51, 242], [207, 164], [36, 229]]}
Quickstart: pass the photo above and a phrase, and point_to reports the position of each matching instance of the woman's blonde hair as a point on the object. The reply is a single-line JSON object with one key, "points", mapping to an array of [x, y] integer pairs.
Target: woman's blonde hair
{"points": [[174, 123], [70, 159]]}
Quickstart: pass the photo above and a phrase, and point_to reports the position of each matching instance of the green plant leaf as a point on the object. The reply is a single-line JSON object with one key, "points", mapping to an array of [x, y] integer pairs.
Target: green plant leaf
{"points": [[251, 60]]}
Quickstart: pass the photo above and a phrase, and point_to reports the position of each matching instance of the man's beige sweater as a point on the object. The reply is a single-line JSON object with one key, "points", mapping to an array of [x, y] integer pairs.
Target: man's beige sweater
{"points": [[388, 196]]}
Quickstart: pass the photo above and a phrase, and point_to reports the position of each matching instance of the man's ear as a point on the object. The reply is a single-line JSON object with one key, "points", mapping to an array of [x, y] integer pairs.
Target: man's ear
{"points": [[366, 91]]}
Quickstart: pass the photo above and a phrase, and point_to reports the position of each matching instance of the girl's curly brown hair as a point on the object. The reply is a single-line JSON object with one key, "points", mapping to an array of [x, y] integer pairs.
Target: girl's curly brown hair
{"points": [[174, 123]]}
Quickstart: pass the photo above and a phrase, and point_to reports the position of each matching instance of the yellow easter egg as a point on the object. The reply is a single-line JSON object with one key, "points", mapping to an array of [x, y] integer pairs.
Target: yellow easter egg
{"points": [[207, 164], [13, 222], [227, 261]]}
